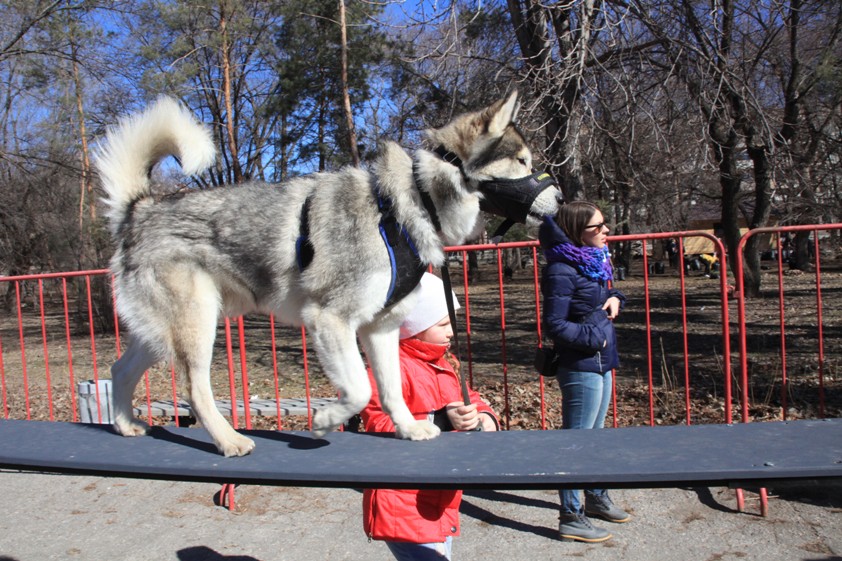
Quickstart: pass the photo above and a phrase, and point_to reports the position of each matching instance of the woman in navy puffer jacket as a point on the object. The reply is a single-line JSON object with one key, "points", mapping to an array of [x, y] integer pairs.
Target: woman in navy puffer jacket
{"points": [[578, 311]]}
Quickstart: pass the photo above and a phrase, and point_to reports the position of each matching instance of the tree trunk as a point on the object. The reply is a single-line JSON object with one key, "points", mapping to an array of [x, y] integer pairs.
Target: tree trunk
{"points": [[92, 244], [557, 88], [760, 217], [801, 258], [730, 180], [473, 267], [322, 132], [346, 97], [86, 189], [225, 57]]}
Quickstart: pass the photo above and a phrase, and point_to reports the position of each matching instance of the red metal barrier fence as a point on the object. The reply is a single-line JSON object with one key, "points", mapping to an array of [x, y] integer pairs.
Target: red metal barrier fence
{"points": [[57, 330], [820, 335]]}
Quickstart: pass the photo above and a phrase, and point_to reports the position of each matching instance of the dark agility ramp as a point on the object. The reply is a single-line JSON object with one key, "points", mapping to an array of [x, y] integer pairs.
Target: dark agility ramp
{"points": [[753, 453]]}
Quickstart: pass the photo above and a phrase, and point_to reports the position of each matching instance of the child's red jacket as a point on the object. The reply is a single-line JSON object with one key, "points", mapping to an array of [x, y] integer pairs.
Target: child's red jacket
{"points": [[411, 515]]}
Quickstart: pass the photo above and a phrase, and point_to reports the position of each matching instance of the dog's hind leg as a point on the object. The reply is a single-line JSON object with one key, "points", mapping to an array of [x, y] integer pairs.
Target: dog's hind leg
{"points": [[125, 374], [196, 364], [197, 306], [336, 345], [381, 348]]}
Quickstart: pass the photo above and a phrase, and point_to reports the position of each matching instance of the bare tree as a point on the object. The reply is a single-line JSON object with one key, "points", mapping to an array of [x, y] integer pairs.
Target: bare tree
{"points": [[643, 107], [225, 57], [346, 96], [215, 55], [723, 56], [555, 42], [44, 138]]}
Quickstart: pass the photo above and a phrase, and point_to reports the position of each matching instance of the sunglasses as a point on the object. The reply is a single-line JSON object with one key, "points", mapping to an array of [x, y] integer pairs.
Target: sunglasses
{"points": [[598, 227]]}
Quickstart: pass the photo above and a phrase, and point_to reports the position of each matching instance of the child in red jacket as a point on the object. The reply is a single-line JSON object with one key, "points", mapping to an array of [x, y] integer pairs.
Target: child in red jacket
{"points": [[420, 524]]}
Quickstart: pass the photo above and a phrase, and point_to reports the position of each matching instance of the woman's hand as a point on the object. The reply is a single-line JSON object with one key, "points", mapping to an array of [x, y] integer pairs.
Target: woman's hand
{"points": [[612, 307]]}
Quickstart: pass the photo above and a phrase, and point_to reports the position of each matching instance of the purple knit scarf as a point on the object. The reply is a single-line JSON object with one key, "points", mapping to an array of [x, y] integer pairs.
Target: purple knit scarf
{"points": [[593, 262]]}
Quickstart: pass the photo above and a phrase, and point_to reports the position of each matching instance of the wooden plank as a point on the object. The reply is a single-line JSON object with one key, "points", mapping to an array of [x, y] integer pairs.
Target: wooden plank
{"points": [[614, 458], [258, 407]]}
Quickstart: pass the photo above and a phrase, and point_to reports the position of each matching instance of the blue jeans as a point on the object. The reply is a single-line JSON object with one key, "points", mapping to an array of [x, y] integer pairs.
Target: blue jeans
{"points": [[405, 551], [585, 397]]}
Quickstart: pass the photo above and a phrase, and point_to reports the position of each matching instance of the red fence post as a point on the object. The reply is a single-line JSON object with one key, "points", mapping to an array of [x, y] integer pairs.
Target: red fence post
{"points": [[3, 383], [744, 374]]}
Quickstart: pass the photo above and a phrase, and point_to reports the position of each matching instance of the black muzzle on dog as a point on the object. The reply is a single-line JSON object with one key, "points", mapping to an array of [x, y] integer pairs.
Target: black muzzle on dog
{"points": [[513, 198]]}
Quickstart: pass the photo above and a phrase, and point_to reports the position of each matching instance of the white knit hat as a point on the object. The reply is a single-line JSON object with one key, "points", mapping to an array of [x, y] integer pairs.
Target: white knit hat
{"points": [[430, 308]]}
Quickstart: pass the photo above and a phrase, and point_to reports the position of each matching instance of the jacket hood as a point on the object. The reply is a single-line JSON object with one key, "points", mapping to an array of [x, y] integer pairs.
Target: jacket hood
{"points": [[550, 234]]}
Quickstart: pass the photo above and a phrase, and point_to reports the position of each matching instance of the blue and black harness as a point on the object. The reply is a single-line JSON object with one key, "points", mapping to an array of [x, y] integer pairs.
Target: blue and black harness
{"points": [[406, 265]]}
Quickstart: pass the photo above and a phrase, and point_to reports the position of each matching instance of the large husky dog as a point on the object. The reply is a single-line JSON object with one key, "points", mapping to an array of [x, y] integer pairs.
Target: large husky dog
{"points": [[339, 253]]}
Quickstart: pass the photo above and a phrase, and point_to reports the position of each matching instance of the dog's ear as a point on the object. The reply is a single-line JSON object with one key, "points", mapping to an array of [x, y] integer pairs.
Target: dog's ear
{"points": [[501, 114]]}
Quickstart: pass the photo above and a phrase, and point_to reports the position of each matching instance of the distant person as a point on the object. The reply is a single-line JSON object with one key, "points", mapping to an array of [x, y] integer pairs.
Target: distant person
{"points": [[578, 311], [672, 252], [709, 261], [420, 524], [786, 247]]}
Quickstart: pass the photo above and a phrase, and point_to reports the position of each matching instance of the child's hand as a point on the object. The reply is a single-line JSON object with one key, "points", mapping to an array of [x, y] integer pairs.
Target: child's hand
{"points": [[463, 417]]}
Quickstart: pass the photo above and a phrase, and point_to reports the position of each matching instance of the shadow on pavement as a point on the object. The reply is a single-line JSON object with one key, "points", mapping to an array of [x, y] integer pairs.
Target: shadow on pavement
{"points": [[203, 553]]}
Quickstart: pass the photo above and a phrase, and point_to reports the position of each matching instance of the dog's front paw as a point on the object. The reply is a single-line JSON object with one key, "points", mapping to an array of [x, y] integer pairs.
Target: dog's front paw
{"points": [[237, 445], [322, 424], [131, 427], [418, 430]]}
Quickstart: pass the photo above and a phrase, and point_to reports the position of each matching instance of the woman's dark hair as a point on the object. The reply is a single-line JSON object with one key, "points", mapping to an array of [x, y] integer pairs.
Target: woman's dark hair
{"points": [[573, 217]]}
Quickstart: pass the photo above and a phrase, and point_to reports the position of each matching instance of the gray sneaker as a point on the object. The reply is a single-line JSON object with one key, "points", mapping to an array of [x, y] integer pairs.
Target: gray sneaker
{"points": [[578, 527], [602, 507]]}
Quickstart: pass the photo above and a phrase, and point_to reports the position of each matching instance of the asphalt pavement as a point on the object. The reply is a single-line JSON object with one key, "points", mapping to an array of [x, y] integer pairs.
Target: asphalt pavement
{"points": [[63, 517]]}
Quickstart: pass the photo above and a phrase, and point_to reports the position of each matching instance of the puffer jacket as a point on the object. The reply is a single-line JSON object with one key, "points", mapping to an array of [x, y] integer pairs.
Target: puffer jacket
{"points": [[412, 515], [582, 335]]}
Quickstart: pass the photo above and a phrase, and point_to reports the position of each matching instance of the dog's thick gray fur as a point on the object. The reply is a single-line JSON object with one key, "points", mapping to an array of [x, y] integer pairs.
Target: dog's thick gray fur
{"points": [[182, 261]]}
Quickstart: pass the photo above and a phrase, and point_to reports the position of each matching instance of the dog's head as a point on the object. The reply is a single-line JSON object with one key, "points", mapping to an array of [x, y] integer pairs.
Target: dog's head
{"points": [[495, 160]]}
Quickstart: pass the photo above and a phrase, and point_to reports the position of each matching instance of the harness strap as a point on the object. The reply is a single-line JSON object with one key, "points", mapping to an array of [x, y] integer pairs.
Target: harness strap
{"points": [[451, 159], [303, 247], [426, 199], [406, 265], [451, 311], [501, 230], [407, 268]]}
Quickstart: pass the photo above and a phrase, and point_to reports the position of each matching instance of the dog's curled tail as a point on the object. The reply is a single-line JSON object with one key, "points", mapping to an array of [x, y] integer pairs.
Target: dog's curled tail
{"points": [[138, 142]]}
